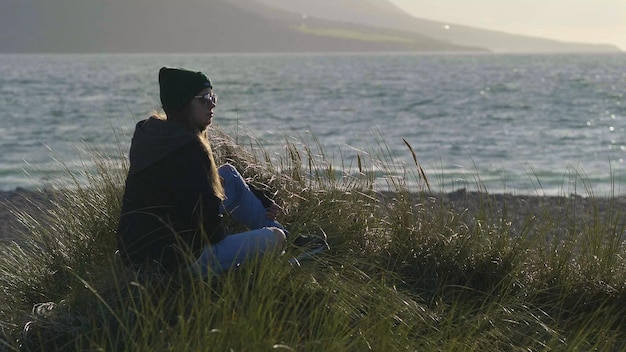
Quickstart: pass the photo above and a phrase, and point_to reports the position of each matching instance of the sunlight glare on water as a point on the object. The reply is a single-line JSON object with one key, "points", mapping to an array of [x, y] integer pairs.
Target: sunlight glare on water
{"points": [[510, 122]]}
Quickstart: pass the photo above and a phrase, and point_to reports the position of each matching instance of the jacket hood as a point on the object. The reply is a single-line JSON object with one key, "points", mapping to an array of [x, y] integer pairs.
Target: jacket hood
{"points": [[154, 139]]}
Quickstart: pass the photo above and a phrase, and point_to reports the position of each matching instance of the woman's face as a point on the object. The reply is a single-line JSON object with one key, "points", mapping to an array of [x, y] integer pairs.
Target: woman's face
{"points": [[201, 109]]}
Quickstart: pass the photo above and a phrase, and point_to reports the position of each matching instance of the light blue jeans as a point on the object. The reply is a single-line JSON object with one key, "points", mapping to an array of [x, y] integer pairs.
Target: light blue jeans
{"points": [[247, 209]]}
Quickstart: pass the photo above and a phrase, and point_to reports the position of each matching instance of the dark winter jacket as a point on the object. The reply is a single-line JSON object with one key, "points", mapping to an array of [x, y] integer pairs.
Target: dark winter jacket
{"points": [[169, 208]]}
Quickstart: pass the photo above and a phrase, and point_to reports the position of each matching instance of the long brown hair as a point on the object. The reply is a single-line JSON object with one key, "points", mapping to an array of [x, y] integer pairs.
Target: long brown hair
{"points": [[216, 182], [203, 137]]}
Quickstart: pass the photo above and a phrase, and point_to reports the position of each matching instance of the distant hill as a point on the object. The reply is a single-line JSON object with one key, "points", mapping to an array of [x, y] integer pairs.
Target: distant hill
{"points": [[222, 26], [189, 26], [383, 14]]}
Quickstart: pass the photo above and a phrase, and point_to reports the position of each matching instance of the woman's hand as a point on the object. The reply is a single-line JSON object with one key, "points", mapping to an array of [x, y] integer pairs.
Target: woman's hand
{"points": [[272, 211]]}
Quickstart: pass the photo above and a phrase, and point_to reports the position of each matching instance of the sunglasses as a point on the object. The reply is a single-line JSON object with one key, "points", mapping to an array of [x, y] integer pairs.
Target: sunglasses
{"points": [[208, 98]]}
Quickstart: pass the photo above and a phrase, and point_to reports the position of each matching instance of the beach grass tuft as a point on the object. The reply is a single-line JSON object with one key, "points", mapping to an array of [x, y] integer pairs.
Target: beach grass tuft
{"points": [[407, 271]]}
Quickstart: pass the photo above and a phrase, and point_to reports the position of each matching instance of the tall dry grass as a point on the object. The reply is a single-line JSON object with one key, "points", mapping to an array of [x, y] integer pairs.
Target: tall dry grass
{"points": [[405, 272]]}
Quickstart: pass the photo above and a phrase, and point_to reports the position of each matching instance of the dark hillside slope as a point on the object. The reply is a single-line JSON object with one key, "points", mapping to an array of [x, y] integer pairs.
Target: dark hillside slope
{"points": [[187, 26]]}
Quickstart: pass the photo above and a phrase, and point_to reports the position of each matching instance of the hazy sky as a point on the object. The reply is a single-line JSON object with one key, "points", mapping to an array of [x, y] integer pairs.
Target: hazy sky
{"points": [[588, 21]]}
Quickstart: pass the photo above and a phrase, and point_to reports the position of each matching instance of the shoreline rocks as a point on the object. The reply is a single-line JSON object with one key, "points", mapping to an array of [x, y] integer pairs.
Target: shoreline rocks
{"points": [[14, 202], [518, 209]]}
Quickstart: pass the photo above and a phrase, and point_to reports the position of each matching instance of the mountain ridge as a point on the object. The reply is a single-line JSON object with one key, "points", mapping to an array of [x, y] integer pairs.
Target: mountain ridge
{"points": [[201, 26], [393, 17], [213, 26]]}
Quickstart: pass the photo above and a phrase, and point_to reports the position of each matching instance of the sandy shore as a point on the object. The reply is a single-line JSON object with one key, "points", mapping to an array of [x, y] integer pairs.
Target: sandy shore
{"points": [[15, 202], [526, 214], [520, 211]]}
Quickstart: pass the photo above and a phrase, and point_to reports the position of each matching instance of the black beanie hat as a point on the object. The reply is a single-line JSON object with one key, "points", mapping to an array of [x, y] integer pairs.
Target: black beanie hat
{"points": [[179, 86]]}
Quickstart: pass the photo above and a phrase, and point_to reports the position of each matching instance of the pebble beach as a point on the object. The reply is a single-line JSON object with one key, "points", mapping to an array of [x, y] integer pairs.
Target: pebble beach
{"points": [[520, 211], [19, 201]]}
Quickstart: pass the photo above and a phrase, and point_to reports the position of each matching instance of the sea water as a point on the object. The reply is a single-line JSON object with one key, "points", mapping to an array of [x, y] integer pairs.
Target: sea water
{"points": [[523, 124]]}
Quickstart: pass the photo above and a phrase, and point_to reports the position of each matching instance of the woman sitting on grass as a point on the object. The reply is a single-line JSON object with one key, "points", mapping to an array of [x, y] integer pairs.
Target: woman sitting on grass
{"points": [[175, 195]]}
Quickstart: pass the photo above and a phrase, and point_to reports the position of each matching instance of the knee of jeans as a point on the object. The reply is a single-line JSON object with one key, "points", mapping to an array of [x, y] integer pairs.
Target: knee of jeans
{"points": [[279, 236], [227, 170]]}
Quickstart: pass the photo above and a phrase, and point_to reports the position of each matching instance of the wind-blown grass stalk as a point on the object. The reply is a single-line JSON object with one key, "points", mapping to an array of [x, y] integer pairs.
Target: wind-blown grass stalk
{"points": [[406, 271]]}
